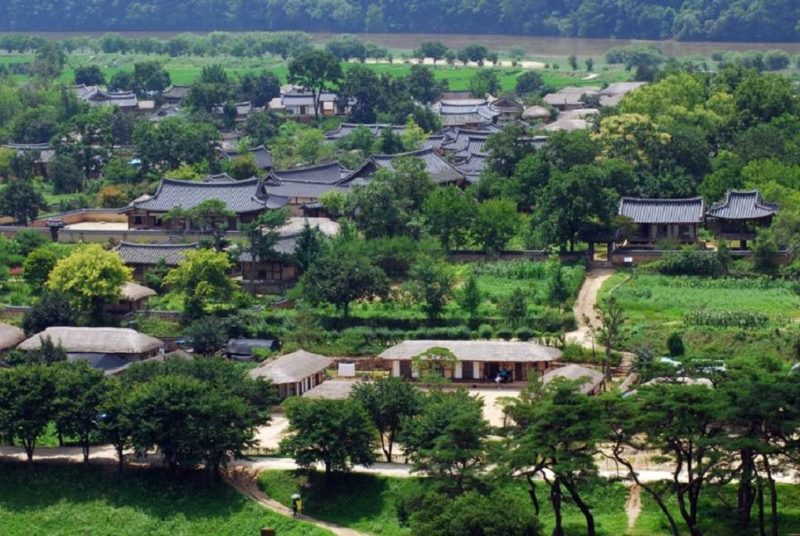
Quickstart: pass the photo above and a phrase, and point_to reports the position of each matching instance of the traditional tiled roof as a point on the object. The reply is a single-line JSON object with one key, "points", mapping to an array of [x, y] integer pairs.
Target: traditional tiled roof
{"points": [[375, 129], [329, 173], [261, 155], [437, 167], [569, 96], [45, 154], [284, 246], [291, 368], [662, 210], [121, 99], [149, 254], [311, 190], [742, 205], [465, 112], [240, 196], [219, 177], [165, 112], [523, 352]]}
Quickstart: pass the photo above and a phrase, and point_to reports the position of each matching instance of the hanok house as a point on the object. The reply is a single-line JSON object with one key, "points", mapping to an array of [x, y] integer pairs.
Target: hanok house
{"points": [[476, 360], [570, 98], [272, 274], [663, 219], [247, 199], [175, 94], [590, 380], [466, 112], [10, 337], [509, 109], [740, 215], [95, 96], [439, 169], [42, 155], [302, 187], [143, 257], [261, 156], [133, 299], [300, 103], [104, 348], [294, 374]]}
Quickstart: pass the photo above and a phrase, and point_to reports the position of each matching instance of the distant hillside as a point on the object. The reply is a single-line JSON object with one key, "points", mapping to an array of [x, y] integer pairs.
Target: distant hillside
{"points": [[713, 20]]}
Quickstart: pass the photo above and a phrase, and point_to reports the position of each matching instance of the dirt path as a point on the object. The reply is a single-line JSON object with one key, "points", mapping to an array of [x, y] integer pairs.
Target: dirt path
{"points": [[633, 506], [584, 308], [244, 480]]}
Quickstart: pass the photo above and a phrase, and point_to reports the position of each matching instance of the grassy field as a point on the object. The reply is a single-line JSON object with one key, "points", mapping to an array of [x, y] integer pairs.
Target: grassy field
{"points": [[184, 70], [71, 499], [367, 502], [658, 305]]}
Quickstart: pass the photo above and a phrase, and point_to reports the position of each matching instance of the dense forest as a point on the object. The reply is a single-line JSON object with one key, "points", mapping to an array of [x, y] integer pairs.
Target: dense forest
{"points": [[714, 20]]}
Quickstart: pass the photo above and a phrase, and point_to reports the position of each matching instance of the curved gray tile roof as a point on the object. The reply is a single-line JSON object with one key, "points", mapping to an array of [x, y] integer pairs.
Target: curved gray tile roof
{"points": [[439, 169], [173, 254], [662, 210], [330, 173], [240, 197], [742, 205]]}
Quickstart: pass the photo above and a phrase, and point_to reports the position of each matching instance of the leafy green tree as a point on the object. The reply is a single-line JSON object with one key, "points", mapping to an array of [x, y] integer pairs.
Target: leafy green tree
{"points": [[115, 421], [150, 77], [168, 144], [388, 143], [29, 240], [430, 49], [346, 47], [91, 277], [340, 279], [51, 309], [529, 82], [610, 333], [261, 127], [507, 148], [388, 401], [49, 62], [514, 308], [448, 213], [431, 284], [555, 435], [211, 215], [20, 200], [206, 335], [37, 267], [315, 70], [79, 390], [337, 433], [495, 224], [263, 235], [67, 175], [447, 439], [362, 84], [470, 297], [26, 395], [484, 83], [90, 75], [309, 247], [201, 277], [259, 89]]}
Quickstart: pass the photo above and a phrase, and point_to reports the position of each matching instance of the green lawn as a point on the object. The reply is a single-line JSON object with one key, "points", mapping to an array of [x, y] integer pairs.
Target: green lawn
{"points": [[366, 502], [185, 69], [657, 305], [75, 500]]}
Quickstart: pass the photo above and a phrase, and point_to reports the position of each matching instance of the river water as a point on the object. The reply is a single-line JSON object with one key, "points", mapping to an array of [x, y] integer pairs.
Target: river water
{"points": [[535, 46]]}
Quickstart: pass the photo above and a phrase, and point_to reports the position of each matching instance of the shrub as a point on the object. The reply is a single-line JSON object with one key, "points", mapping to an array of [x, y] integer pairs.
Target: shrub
{"points": [[505, 333], [675, 344], [524, 334], [485, 331], [692, 262], [741, 319]]}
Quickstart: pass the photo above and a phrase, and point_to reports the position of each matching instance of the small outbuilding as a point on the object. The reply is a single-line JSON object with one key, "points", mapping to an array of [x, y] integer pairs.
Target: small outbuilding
{"points": [[740, 215], [663, 219], [242, 349], [10, 337], [476, 360], [294, 374], [133, 298], [591, 379]]}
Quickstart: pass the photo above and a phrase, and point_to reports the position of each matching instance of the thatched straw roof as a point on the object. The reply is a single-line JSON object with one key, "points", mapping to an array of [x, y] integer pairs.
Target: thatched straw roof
{"points": [[331, 390], [10, 336], [522, 352], [291, 368], [591, 378], [95, 340], [134, 292]]}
